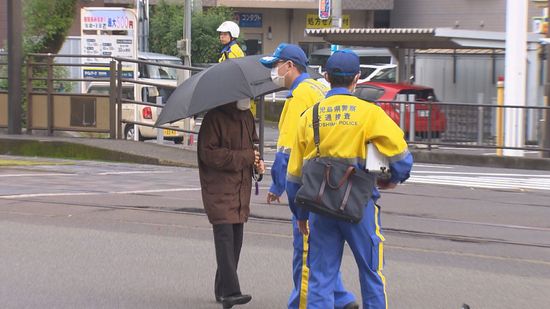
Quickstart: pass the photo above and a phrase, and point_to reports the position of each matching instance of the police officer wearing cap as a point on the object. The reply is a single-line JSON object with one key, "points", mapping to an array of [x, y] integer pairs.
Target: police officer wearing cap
{"points": [[346, 125], [229, 32], [288, 69]]}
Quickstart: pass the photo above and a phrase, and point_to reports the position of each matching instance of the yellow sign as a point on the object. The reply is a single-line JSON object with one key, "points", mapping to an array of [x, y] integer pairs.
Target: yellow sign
{"points": [[314, 22], [540, 25]]}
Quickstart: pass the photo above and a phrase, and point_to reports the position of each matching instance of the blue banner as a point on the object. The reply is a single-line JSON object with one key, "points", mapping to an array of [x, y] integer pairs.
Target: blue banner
{"points": [[249, 20]]}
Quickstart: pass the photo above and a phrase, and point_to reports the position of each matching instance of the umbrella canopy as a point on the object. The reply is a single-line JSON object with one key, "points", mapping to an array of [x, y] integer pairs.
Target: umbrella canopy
{"points": [[222, 83]]}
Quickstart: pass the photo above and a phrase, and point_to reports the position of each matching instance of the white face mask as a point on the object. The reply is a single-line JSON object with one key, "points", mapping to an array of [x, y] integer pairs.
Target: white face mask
{"points": [[279, 80], [243, 104]]}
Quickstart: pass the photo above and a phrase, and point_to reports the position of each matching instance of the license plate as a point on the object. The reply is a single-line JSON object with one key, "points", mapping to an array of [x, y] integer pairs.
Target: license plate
{"points": [[423, 113], [168, 132]]}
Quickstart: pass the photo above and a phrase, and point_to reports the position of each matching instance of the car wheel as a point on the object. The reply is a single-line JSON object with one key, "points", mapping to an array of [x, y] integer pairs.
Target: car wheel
{"points": [[178, 140], [129, 133]]}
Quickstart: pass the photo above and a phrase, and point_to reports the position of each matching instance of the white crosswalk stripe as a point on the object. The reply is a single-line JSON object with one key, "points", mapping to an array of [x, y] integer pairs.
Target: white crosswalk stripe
{"points": [[534, 182], [441, 176]]}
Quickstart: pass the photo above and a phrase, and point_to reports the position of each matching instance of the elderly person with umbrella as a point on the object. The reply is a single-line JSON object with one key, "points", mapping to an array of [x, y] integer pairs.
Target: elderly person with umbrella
{"points": [[226, 155]]}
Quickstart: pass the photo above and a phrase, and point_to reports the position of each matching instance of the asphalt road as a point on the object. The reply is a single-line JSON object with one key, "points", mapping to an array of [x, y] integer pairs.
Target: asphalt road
{"points": [[77, 234]]}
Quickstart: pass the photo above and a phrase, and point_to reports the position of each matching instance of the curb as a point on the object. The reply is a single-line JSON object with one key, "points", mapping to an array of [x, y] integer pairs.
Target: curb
{"points": [[78, 151], [84, 150], [424, 156]]}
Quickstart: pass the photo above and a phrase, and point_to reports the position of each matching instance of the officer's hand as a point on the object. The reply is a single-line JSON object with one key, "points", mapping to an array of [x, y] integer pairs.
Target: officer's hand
{"points": [[271, 197], [385, 184], [302, 225]]}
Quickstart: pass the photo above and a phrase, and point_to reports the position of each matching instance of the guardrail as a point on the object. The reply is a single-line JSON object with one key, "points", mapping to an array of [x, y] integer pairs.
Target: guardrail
{"points": [[462, 125], [433, 124]]}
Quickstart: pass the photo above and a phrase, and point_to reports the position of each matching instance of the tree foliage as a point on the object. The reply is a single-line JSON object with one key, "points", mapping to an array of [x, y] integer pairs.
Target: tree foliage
{"points": [[166, 28], [47, 24]]}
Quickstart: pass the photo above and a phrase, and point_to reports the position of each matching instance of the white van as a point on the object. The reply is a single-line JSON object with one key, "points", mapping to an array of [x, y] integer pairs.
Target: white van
{"points": [[157, 74], [373, 61]]}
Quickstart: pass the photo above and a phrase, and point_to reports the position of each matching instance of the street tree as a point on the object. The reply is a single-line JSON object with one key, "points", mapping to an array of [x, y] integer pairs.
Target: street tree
{"points": [[47, 24]]}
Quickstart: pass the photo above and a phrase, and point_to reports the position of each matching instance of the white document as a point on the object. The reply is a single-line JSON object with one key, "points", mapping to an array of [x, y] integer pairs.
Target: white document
{"points": [[376, 162]]}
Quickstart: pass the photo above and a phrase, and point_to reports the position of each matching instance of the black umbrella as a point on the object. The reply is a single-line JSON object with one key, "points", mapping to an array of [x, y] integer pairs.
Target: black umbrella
{"points": [[222, 83]]}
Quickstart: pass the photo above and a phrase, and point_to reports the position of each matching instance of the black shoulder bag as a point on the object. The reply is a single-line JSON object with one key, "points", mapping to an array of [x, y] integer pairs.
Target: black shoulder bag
{"points": [[332, 187]]}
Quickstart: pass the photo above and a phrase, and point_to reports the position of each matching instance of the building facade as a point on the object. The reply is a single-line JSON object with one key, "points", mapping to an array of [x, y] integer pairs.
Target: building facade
{"points": [[487, 15], [266, 23]]}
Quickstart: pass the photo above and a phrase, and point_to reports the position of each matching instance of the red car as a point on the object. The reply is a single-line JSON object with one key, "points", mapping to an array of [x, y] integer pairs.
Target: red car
{"points": [[379, 92]]}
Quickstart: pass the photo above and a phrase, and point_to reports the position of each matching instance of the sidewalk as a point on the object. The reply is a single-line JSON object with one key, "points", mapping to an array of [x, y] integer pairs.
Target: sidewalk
{"points": [[152, 153]]}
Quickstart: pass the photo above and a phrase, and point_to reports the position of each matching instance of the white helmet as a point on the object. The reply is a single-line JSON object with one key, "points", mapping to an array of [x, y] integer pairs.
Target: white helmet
{"points": [[231, 27]]}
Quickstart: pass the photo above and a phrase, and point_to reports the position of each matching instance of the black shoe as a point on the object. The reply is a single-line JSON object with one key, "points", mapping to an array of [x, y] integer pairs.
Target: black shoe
{"points": [[352, 305], [230, 301]]}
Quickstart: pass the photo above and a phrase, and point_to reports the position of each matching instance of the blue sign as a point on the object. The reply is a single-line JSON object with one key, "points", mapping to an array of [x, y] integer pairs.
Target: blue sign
{"points": [[324, 9], [105, 73], [249, 20]]}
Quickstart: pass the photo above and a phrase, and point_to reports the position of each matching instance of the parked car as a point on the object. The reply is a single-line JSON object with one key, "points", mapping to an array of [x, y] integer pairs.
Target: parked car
{"points": [[380, 92], [141, 113]]}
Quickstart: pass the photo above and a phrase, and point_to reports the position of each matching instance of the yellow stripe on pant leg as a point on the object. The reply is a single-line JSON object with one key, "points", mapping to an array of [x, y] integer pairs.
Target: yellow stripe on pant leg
{"points": [[305, 274], [380, 253]]}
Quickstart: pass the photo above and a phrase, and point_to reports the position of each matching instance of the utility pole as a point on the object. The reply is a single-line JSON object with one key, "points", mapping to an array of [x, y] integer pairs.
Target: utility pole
{"points": [[515, 75], [142, 12], [184, 48], [336, 20], [546, 127], [337, 14], [15, 63]]}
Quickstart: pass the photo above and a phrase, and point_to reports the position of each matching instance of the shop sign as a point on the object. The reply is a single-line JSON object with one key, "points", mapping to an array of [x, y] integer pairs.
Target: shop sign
{"points": [[314, 22]]}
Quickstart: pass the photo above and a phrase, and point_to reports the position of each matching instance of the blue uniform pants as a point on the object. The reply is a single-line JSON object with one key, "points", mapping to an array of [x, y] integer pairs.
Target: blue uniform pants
{"points": [[300, 274], [326, 246]]}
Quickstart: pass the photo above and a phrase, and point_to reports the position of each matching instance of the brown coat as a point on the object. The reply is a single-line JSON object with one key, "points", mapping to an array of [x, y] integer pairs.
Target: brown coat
{"points": [[226, 158]]}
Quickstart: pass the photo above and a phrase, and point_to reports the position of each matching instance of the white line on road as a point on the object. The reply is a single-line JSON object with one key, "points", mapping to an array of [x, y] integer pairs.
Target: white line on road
{"points": [[135, 172], [16, 196], [481, 182], [36, 175], [481, 174]]}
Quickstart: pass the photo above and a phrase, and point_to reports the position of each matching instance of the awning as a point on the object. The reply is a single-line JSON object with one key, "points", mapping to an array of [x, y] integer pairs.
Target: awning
{"points": [[416, 38]]}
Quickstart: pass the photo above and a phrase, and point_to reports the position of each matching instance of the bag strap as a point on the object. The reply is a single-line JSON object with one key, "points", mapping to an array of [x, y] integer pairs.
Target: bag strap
{"points": [[316, 137]]}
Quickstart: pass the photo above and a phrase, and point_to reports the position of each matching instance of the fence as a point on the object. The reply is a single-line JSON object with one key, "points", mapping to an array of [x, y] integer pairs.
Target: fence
{"points": [[461, 125], [55, 102]]}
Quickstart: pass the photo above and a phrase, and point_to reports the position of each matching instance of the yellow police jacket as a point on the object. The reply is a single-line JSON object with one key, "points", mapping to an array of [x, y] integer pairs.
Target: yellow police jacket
{"points": [[231, 50], [346, 124], [306, 94]]}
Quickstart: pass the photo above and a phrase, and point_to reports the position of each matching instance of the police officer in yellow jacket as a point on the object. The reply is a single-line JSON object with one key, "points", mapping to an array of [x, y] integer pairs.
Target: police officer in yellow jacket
{"points": [[346, 124], [288, 69], [229, 32]]}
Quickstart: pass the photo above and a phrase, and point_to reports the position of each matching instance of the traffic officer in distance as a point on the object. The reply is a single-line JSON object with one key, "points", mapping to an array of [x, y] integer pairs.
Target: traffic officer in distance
{"points": [[229, 32], [346, 125], [288, 69]]}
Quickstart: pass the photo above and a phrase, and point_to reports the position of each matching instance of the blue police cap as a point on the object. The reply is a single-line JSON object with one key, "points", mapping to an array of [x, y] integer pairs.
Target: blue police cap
{"points": [[343, 63], [285, 52]]}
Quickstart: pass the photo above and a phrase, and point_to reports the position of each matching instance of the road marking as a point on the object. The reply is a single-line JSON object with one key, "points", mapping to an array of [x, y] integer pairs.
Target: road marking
{"points": [[36, 175], [484, 182], [16, 196], [135, 172], [77, 174], [480, 174], [432, 166]]}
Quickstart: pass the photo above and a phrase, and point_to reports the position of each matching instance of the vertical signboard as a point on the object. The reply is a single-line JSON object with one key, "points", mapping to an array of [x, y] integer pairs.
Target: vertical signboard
{"points": [[324, 9], [108, 32]]}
